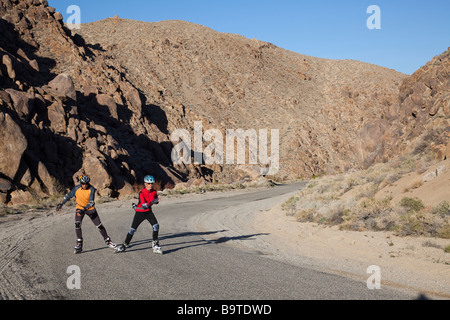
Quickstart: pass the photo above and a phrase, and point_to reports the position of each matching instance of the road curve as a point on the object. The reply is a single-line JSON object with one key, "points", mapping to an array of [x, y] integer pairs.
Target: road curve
{"points": [[205, 257]]}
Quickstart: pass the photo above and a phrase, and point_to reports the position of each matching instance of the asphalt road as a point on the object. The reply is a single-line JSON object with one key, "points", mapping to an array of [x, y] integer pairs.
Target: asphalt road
{"points": [[197, 264]]}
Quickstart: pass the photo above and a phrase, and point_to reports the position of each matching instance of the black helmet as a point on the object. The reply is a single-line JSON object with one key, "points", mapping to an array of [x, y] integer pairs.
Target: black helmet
{"points": [[84, 179]]}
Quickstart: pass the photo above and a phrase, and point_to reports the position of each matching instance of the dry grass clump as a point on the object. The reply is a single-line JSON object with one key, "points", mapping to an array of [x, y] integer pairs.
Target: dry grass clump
{"points": [[348, 200], [38, 203]]}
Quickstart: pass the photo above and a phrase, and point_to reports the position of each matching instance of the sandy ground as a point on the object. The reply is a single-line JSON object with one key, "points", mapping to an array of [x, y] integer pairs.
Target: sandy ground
{"points": [[404, 262]]}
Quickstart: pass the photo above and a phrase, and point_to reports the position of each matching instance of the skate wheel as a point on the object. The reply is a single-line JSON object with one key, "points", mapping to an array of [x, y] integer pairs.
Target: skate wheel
{"points": [[119, 248]]}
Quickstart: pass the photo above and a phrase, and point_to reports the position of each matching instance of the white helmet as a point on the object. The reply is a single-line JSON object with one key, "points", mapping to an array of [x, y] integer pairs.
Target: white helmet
{"points": [[149, 179]]}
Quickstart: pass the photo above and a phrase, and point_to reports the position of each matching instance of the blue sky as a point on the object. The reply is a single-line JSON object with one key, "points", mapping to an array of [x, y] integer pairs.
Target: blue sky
{"points": [[412, 32]]}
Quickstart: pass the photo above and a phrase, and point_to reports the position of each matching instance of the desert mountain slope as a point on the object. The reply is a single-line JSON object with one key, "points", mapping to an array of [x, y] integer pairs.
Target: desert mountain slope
{"points": [[106, 99], [319, 105]]}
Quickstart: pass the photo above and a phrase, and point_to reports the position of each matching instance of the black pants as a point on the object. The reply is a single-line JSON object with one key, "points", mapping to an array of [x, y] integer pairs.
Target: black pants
{"points": [[79, 215], [139, 217]]}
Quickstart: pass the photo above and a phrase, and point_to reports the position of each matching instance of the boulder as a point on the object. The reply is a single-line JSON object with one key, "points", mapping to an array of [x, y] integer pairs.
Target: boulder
{"points": [[27, 178], [50, 185], [58, 16], [9, 66], [3, 198], [20, 197], [62, 86], [132, 96], [57, 118], [108, 101], [124, 188], [98, 172], [34, 64], [5, 185], [433, 174], [23, 103], [4, 96], [12, 145], [90, 90]]}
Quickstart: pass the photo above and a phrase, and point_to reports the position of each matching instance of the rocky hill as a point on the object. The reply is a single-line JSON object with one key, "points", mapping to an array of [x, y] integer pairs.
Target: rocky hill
{"points": [[332, 115], [105, 100], [420, 116], [320, 106], [66, 109]]}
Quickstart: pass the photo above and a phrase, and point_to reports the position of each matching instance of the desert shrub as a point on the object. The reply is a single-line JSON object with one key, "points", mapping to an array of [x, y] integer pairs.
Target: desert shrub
{"points": [[392, 178], [374, 214], [431, 244], [416, 219], [442, 209], [444, 232], [412, 204], [327, 200], [306, 215], [290, 206]]}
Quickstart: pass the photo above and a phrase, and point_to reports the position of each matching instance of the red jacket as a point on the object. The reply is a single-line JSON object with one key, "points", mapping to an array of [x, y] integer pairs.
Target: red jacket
{"points": [[146, 200]]}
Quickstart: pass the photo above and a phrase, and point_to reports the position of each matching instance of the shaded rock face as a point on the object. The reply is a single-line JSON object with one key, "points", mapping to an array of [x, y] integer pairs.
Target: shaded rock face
{"points": [[12, 146], [420, 117], [64, 111], [106, 99]]}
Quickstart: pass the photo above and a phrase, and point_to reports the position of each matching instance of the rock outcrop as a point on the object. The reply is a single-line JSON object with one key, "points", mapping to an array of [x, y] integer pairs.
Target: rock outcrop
{"points": [[419, 119], [64, 110]]}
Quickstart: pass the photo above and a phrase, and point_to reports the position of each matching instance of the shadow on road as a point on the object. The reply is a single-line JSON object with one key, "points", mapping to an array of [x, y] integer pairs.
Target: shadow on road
{"points": [[170, 247]]}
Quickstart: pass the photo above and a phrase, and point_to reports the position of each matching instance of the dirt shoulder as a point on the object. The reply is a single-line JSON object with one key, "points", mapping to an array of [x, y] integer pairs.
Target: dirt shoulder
{"points": [[419, 263]]}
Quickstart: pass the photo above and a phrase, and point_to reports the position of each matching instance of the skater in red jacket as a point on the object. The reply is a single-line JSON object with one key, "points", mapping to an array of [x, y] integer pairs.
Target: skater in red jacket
{"points": [[143, 211]]}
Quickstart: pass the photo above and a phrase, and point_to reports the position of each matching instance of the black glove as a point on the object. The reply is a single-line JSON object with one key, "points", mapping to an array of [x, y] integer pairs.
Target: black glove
{"points": [[58, 207], [134, 205]]}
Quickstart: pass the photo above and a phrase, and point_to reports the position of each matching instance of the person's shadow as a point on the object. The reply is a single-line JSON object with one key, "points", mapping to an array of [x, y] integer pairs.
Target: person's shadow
{"points": [[184, 244]]}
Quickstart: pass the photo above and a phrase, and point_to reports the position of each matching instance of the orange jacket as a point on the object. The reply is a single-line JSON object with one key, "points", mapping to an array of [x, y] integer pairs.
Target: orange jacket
{"points": [[84, 198]]}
